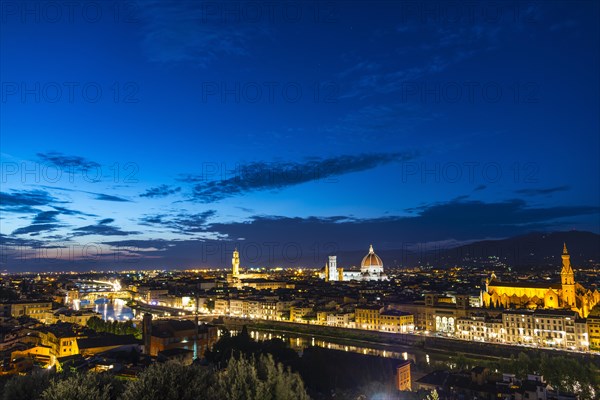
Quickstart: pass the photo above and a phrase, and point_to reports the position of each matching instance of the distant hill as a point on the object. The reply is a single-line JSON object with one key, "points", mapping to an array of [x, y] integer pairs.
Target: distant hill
{"points": [[537, 249], [533, 249]]}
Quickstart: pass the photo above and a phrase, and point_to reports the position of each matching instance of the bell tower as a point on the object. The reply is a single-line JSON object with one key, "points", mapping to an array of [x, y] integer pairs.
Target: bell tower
{"points": [[332, 270], [235, 264], [567, 279]]}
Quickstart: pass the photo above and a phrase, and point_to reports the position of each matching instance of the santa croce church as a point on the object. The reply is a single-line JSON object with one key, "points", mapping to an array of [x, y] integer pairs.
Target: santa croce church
{"points": [[566, 294]]}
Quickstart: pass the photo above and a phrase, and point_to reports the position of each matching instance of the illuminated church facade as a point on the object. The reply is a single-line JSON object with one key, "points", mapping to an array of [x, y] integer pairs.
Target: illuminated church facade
{"points": [[566, 294]]}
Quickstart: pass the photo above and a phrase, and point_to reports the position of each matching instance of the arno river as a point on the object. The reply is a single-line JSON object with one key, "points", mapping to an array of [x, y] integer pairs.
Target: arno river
{"points": [[117, 310], [299, 342]]}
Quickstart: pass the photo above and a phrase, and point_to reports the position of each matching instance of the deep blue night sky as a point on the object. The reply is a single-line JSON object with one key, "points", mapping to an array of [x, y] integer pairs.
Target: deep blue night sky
{"points": [[152, 133]]}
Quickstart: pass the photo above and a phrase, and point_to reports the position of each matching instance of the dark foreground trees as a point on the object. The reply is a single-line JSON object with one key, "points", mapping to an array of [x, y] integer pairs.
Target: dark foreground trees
{"points": [[255, 378]]}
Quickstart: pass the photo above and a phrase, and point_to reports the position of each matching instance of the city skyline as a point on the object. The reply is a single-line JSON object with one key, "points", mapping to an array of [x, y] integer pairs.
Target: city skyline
{"points": [[149, 134]]}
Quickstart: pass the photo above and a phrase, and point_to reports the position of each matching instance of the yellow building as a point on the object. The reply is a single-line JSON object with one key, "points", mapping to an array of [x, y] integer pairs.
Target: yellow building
{"points": [[437, 313], [403, 378], [593, 330], [377, 319], [566, 294], [33, 309], [367, 317], [39, 353], [298, 312], [396, 321], [61, 339], [80, 317]]}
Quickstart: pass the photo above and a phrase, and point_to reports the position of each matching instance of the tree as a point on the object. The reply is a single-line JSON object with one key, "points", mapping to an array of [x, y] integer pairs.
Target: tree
{"points": [[433, 395], [26, 387], [115, 327], [170, 381], [243, 379], [84, 386], [259, 379]]}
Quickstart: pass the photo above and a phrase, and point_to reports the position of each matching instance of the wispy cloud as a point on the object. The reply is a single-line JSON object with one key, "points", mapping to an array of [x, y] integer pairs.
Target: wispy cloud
{"points": [[426, 50], [97, 196], [260, 176], [18, 198], [46, 217], [161, 191], [67, 162], [102, 228], [36, 229], [181, 223], [108, 197], [542, 191], [188, 31]]}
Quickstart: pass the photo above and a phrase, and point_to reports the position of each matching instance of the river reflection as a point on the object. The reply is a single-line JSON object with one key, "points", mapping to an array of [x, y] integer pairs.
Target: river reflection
{"points": [[114, 311], [300, 342]]}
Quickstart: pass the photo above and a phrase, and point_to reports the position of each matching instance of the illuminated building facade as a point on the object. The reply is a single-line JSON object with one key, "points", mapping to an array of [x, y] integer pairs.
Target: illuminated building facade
{"points": [[403, 377], [593, 330], [33, 309], [566, 294], [376, 318], [544, 328], [299, 311], [61, 339], [437, 313]]}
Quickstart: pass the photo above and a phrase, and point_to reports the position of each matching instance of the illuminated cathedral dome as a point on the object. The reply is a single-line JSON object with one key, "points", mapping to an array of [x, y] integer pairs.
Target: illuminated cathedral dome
{"points": [[371, 266], [371, 260]]}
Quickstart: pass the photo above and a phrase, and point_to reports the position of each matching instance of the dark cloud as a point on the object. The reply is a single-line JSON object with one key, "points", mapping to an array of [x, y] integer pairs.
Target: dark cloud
{"points": [[458, 220], [259, 176], [69, 163], [288, 241], [108, 197], [44, 221], [46, 217], [97, 196], [67, 211], [190, 178], [102, 228], [158, 244], [22, 202], [543, 191], [20, 209], [276, 240], [10, 242], [18, 198], [36, 229], [181, 223], [152, 219], [160, 191]]}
